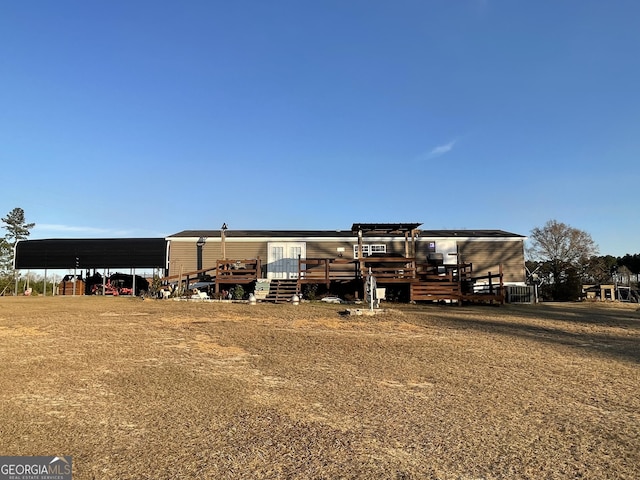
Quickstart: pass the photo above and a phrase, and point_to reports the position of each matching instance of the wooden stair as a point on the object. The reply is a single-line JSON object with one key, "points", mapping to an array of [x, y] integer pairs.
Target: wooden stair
{"points": [[442, 290], [281, 291]]}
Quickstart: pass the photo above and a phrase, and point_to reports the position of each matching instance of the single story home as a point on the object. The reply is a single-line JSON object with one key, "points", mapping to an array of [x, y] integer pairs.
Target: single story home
{"points": [[396, 253]]}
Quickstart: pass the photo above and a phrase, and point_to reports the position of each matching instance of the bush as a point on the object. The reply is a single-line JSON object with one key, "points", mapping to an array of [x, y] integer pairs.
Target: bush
{"points": [[310, 291], [237, 292]]}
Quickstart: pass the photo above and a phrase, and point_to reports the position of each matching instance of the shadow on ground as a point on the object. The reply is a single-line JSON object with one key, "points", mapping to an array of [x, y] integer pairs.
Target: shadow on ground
{"points": [[609, 331]]}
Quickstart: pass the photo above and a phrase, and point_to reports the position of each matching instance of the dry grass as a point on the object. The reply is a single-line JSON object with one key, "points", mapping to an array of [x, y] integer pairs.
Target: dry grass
{"points": [[149, 389]]}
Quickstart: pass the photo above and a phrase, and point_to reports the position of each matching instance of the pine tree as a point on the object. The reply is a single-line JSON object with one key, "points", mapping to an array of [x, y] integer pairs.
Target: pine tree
{"points": [[17, 229]]}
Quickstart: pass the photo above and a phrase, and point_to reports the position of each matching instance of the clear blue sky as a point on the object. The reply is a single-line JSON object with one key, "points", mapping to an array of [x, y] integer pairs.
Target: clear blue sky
{"points": [[145, 118]]}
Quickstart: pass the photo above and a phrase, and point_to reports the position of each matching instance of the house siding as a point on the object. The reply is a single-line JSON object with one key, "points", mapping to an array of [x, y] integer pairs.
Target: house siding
{"points": [[329, 249], [182, 257], [486, 256], [246, 250], [183, 254]]}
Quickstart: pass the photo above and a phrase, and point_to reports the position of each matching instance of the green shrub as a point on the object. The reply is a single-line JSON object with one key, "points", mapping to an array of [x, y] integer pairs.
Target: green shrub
{"points": [[310, 291], [238, 292]]}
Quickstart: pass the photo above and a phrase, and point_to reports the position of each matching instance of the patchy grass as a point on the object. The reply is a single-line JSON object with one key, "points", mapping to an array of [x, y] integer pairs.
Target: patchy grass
{"points": [[160, 389]]}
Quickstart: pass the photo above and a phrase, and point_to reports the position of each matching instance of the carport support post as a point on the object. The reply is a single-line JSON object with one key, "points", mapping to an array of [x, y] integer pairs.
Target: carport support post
{"points": [[133, 289], [15, 292], [44, 283], [104, 282]]}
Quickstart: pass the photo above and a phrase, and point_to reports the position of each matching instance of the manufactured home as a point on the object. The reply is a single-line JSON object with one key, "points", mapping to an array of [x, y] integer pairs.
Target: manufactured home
{"points": [[427, 264]]}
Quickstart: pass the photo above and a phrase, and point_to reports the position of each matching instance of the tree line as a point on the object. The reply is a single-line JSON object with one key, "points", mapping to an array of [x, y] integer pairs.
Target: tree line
{"points": [[561, 259]]}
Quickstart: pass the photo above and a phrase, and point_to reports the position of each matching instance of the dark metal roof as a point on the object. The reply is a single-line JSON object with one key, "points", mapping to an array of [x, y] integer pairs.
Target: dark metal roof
{"points": [[380, 229], [469, 233], [91, 253], [261, 233]]}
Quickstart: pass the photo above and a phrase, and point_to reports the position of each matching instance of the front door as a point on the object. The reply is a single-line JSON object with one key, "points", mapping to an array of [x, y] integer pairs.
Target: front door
{"points": [[282, 259]]}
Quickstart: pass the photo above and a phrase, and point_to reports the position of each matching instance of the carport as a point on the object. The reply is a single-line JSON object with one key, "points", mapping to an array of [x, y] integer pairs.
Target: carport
{"points": [[102, 253]]}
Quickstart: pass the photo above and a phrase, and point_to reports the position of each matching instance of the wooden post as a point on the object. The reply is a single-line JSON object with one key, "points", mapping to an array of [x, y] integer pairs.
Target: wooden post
{"points": [[413, 243], [406, 244], [502, 293], [360, 262], [217, 287], [223, 237], [326, 272]]}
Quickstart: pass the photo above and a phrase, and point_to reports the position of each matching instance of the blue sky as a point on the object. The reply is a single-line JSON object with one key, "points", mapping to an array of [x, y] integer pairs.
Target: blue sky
{"points": [[145, 118]]}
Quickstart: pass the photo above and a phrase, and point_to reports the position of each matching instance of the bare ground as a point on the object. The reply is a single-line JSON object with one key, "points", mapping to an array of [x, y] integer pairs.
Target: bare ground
{"points": [[160, 389]]}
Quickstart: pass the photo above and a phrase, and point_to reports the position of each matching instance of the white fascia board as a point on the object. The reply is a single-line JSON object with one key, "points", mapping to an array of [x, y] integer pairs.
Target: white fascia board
{"points": [[264, 239], [189, 239], [342, 239]]}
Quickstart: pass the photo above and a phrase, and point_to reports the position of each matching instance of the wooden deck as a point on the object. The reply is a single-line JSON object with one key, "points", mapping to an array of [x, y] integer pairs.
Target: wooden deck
{"points": [[234, 272], [457, 283], [425, 282], [326, 270], [226, 272]]}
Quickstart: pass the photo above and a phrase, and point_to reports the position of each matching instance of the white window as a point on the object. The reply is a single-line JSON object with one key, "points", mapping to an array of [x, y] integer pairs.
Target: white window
{"points": [[378, 249], [369, 249]]}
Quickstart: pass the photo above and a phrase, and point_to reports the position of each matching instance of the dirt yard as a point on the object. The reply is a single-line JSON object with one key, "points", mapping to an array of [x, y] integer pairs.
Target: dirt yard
{"points": [[135, 389]]}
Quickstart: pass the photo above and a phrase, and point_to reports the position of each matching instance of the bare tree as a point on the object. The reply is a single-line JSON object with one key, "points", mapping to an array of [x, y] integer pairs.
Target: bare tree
{"points": [[564, 249]]}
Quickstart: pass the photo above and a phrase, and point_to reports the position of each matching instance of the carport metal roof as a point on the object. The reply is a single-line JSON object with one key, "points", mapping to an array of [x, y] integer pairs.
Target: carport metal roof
{"points": [[91, 253]]}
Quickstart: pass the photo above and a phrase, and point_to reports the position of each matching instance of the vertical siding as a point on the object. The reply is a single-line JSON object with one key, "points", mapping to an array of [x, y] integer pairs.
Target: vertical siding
{"points": [[487, 256], [329, 249], [185, 254], [211, 252], [395, 247], [182, 257], [246, 250]]}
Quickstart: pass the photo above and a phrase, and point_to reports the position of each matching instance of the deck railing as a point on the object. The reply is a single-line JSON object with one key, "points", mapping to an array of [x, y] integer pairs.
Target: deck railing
{"points": [[324, 270], [389, 269], [238, 271], [385, 269]]}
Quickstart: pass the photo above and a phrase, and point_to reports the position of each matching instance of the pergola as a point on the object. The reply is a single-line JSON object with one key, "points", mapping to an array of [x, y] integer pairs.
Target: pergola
{"points": [[406, 229]]}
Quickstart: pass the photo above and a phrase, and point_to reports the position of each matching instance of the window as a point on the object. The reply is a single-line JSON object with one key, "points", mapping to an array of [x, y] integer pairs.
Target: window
{"points": [[378, 249], [369, 249]]}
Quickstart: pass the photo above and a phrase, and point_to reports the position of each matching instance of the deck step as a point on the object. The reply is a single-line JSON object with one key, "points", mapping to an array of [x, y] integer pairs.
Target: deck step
{"points": [[281, 291]]}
